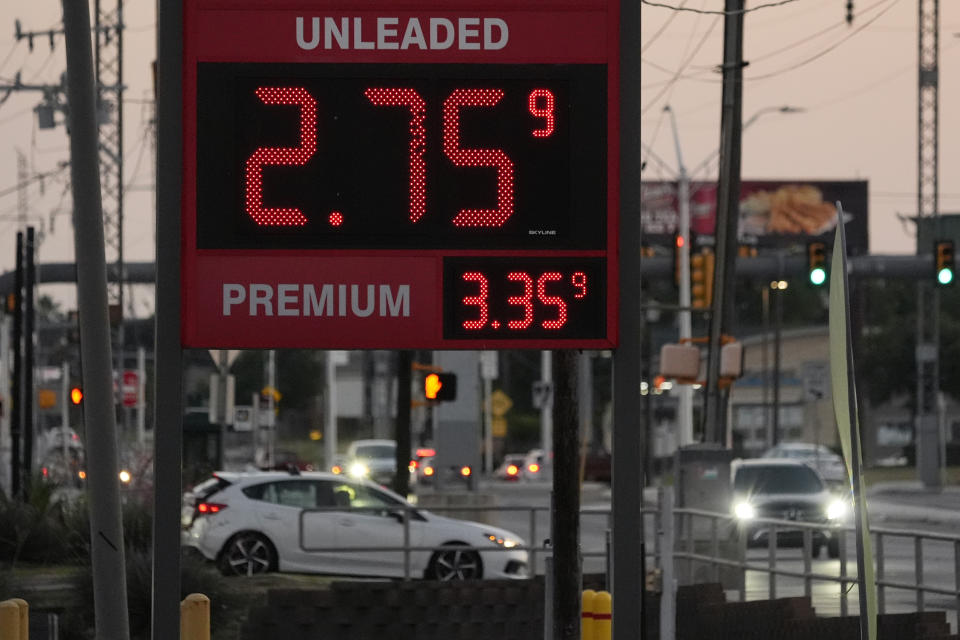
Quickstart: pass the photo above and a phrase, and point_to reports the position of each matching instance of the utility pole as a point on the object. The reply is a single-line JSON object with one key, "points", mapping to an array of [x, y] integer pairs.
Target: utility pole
{"points": [[16, 389], [29, 280], [103, 491], [728, 202], [928, 420]]}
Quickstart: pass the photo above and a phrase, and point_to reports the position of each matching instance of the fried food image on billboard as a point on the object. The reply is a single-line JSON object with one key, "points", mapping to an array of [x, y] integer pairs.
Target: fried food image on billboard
{"points": [[791, 209]]}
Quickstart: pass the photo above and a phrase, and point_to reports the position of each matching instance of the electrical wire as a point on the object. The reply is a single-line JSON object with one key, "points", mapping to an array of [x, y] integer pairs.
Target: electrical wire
{"points": [[656, 35], [824, 52], [717, 13], [682, 67]]}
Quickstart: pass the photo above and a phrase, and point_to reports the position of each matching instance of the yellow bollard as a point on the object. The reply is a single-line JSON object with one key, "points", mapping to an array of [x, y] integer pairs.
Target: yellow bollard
{"points": [[586, 614], [24, 617], [195, 617], [602, 616], [9, 620]]}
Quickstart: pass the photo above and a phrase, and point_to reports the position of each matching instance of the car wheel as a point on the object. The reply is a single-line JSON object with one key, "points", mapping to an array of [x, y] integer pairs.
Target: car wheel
{"points": [[833, 548], [455, 563], [247, 554]]}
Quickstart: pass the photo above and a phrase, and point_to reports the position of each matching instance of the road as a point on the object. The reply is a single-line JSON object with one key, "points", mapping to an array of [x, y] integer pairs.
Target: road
{"points": [[938, 568]]}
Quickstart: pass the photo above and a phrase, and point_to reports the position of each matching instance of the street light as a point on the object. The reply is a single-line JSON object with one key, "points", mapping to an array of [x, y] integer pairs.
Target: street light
{"points": [[685, 395]]}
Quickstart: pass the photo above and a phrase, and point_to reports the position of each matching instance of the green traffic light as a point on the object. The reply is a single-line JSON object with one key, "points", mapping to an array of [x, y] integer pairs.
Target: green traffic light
{"points": [[945, 276], [818, 276]]}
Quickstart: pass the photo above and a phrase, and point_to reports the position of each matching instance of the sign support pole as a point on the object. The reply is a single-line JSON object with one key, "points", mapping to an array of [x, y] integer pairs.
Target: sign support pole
{"points": [[168, 418], [627, 492]]}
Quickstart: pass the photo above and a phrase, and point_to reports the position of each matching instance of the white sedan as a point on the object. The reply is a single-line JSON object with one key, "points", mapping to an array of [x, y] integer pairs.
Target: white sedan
{"points": [[314, 522]]}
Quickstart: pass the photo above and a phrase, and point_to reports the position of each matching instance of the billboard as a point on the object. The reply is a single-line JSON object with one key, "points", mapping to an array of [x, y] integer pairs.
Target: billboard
{"points": [[773, 213]]}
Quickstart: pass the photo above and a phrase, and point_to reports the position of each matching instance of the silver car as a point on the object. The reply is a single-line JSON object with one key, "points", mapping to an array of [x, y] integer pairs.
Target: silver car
{"points": [[818, 456]]}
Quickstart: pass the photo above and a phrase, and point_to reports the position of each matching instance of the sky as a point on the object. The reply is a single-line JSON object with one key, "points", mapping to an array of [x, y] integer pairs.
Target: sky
{"points": [[856, 85]]}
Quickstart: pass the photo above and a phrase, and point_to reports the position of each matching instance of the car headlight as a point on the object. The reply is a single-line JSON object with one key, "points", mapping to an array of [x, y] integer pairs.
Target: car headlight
{"points": [[744, 511], [507, 543], [359, 470], [837, 509]]}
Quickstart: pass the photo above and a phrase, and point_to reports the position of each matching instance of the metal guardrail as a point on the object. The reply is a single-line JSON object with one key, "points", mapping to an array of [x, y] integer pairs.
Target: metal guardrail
{"points": [[684, 548]]}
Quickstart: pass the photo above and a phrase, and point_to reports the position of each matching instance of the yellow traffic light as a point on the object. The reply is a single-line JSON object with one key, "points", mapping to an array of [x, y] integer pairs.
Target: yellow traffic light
{"points": [[701, 279], [944, 262]]}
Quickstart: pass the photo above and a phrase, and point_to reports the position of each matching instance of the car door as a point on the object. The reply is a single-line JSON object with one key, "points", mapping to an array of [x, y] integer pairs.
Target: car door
{"points": [[372, 523], [279, 505]]}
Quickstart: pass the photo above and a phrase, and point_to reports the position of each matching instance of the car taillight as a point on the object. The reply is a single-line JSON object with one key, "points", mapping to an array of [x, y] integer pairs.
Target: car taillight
{"points": [[337, 469], [512, 470], [465, 471], [428, 471], [533, 468], [205, 508]]}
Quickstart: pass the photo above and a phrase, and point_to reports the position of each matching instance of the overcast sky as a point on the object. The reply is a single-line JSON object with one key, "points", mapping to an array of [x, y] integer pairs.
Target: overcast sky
{"points": [[857, 85]]}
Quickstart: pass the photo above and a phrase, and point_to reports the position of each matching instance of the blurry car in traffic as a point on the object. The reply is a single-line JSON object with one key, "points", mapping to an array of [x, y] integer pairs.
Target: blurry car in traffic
{"points": [[375, 459], [786, 490], [511, 468], [818, 456], [534, 465], [317, 522]]}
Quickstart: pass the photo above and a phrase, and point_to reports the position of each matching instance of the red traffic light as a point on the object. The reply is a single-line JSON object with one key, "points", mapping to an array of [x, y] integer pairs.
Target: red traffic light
{"points": [[76, 395]]}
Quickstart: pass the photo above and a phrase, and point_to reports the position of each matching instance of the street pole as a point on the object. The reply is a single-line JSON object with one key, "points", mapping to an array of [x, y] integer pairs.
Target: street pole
{"points": [[628, 424], [30, 276], [330, 432], [685, 393], [16, 389], [103, 491], [728, 201], [141, 395], [546, 408], [777, 339], [565, 502]]}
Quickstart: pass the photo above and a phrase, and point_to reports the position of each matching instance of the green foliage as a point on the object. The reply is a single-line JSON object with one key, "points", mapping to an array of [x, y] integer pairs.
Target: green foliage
{"points": [[33, 530]]}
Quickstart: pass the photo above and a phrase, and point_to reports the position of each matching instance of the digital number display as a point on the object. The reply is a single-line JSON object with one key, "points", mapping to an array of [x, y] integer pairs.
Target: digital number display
{"points": [[508, 298], [401, 156]]}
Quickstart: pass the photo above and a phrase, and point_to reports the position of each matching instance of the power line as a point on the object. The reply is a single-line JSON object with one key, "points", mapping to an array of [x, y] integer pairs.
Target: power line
{"points": [[716, 13], [682, 67], [820, 54]]}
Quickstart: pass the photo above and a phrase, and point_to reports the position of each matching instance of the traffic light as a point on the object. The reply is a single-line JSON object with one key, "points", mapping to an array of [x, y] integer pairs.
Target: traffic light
{"points": [[76, 395], [944, 262], [678, 243], [817, 263], [701, 279], [440, 386]]}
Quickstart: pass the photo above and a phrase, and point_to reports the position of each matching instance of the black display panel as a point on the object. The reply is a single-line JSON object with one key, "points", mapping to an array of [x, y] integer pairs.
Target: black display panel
{"points": [[355, 156], [524, 298]]}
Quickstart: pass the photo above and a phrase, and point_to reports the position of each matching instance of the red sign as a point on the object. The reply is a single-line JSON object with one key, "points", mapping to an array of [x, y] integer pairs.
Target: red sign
{"points": [[131, 388], [441, 178]]}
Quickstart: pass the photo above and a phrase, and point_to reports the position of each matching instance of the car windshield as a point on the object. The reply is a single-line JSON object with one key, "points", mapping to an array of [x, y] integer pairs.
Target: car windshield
{"points": [[375, 451], [776, 479]]}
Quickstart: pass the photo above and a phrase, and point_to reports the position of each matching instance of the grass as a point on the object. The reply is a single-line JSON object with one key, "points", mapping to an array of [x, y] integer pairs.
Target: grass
{"points": [[879, 475]]}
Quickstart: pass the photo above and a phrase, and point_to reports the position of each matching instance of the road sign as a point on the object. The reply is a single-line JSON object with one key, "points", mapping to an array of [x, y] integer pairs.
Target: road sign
{"points": [[131, 388], [816, 380], [434, 177], [498, 427], [500, 403]]}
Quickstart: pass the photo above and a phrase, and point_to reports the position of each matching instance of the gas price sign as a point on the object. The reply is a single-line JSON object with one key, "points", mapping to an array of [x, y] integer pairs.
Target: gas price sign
{"points": [[382, 178]]}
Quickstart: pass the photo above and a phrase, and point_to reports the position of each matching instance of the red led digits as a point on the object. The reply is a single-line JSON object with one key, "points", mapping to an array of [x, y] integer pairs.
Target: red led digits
{"points": [[418, 141], [547, 112], [579, 280], [284, 157], [478, 157], [557, 301], [525, 300], [480, 300]]}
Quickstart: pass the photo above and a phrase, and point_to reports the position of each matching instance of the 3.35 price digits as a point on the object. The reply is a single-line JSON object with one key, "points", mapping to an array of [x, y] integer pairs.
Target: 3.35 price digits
{"points": [[530, 293], [541, 104]]}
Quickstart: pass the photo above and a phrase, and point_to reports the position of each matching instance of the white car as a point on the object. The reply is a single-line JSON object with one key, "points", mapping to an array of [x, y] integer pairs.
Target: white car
{"points": [[375, 459], [316, 522], [818, 456]]}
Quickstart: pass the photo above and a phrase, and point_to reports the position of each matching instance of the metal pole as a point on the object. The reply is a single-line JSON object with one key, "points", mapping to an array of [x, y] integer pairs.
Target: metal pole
{"points": [[103, 491], [764, 364], [628, 434], [546, 409], [668, 590], [401, 480], [777, 339], [685, 392], [168, 397], [16, 388], [330, 435], [728, 207], [487, 427], [565, 511], [141, 395], [65, 416], [271, 405], [29, 434]]}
